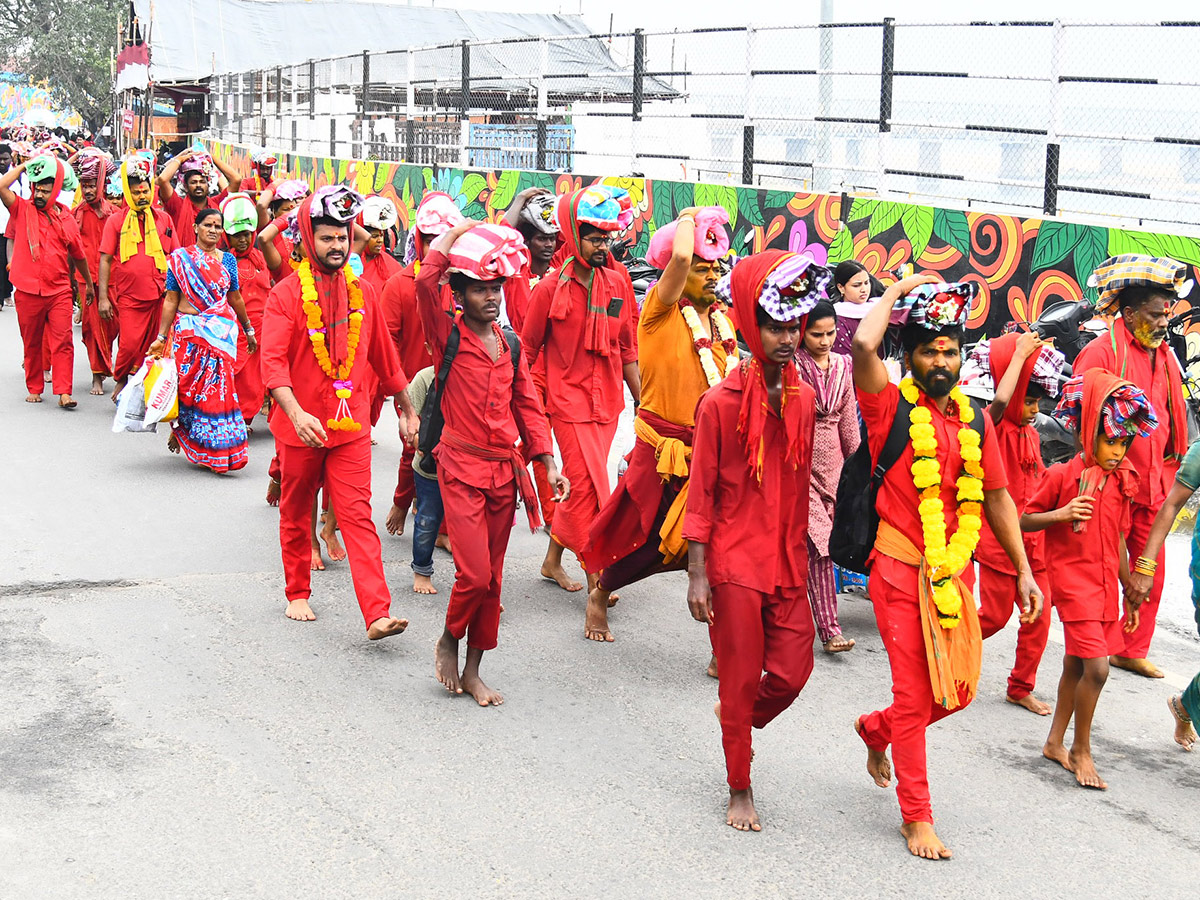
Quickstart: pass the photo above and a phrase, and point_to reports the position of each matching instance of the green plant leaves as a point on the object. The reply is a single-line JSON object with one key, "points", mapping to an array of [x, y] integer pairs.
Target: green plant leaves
{"points": [[506, 188], [748, 206], [1091, 250], [472, 186], [950, 226], [718, 195], [1054, 241], [918, 226], [861, 208], [1184, 249], [662, 196], [886, 215], [842, 247]]}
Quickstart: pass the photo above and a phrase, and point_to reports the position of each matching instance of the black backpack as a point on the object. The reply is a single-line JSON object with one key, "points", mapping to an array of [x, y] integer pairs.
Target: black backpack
{"points": [[855, 519], [432, 420]]}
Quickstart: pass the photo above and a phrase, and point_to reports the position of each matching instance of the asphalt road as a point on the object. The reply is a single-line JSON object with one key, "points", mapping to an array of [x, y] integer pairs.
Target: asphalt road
{"points": [[165, 732]]}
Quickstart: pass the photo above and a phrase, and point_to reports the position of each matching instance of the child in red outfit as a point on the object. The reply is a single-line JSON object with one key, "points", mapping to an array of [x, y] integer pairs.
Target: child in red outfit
{"points": [[1023, 371], [747, 513], [1084, 507]]}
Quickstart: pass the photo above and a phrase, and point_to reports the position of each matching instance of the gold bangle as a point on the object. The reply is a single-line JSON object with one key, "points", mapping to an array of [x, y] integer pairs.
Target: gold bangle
{"points": [[1143, 562]]}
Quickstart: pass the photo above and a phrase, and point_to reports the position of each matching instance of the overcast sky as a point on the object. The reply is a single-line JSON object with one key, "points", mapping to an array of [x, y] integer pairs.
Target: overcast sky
{"points": [[659, 15]]}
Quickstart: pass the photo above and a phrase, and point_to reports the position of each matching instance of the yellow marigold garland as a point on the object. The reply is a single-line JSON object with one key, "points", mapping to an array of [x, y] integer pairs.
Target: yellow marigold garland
{"points": [[946, 559], [317, 330]]}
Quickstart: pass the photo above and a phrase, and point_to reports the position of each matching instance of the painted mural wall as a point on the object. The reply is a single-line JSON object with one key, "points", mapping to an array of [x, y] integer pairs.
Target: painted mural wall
{"points": [[1021, 265], [22, 103]]}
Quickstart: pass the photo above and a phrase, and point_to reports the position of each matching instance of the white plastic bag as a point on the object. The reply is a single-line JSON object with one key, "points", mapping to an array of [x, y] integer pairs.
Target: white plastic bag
{"points": [[131, 404], [161, 391]]}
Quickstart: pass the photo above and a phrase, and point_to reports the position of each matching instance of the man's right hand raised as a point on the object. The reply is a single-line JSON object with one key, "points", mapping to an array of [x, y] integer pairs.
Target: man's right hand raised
{"points": [[309, 429]]}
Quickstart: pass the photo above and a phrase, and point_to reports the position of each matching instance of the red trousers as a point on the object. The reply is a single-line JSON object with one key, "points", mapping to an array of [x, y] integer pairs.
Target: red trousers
{"points": [[479, 521], [346, 471], [764, 647], [138, 324], [997, 600], [46, 319], [1137, 645], [913, 709], [584, 447], [98, 336]]}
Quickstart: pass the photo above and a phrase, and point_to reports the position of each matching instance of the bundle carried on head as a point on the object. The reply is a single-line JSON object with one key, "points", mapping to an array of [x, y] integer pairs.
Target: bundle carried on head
{"points": [[489, 252], [1129, 269], [712, 237]]}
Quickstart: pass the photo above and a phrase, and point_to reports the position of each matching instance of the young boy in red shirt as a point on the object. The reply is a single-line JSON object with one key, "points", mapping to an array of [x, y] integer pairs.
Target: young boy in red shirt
{"points": [[487, 402], [747, 513], [1023, 369], [1084, 505]]}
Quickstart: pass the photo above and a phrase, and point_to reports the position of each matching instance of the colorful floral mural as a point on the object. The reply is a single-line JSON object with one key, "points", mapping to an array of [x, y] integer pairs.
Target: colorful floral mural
{"points": [[23, 103], [1021, 265]]}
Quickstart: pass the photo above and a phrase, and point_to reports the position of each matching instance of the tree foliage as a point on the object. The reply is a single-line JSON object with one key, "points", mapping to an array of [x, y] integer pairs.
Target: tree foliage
{"points": [[66, 44]]}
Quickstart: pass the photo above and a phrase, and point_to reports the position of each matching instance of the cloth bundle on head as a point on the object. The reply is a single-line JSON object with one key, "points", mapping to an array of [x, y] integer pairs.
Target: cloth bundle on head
{"points": [[435, 215], [936, 306], [56, 147], [767, 275], [197, 162], [488, 252], [378, 212], [238, 214], [113, 187], [601, 207], [264, 157], [39, 169], [292, 189], [334, 201], [137, 167], [1043, 369], [712, 238], [1099, 400], [291, 230], [92, 167], [538, 211], [1119, 272]]}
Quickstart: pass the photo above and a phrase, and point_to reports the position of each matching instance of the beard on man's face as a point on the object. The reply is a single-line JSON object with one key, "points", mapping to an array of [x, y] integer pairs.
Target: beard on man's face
{"points": [[936, 381]]}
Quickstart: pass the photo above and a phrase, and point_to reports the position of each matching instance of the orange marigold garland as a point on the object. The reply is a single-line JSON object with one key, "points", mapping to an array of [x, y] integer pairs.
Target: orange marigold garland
{"points": [[317, 331]]}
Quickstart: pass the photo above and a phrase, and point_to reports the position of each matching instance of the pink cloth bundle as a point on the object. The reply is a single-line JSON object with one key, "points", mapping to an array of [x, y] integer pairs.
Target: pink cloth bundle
{"points": [[488, 252], [437, 214], [712, 239]]}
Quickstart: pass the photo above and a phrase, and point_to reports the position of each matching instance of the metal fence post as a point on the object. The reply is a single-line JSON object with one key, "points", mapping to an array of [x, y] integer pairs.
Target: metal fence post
{"points": [[278, 90], [294, 124], [639, 81], [312, 89], [886, 73], [543, 106], [464, 104], [748, 120], [332, 136], [410, 110], [1053, 148], [366, 82]]}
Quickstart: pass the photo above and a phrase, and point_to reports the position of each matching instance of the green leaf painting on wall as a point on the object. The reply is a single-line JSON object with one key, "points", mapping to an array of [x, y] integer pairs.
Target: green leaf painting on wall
{"points": [[918, 226], [1091, 250], [505, 190], [718, 195], [842, 247], [1054, 241], [950, 226], [747, 199], [886, 215]]}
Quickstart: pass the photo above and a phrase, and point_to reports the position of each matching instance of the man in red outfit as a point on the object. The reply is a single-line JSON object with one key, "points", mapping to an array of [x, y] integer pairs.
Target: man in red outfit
{"points": [[747, 513], [323, 334], [1023, 370], [45, 247], [487, 402], [435, 215], [133, 268], [1140, 291], [930, 627], [182, 208], [90, 215], [583, 318], [254, 279]]}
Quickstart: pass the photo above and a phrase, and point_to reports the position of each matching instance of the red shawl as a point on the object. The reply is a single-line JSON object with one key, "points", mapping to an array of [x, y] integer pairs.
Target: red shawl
{"points": [[1097, 385], [746, 286], [52, 213], [602, 287]]}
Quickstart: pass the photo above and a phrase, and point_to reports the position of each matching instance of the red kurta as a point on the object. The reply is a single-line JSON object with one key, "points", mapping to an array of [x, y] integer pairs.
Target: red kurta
{"points": [[135, 289], [1021, 485], [50, 274], [378, 268], [183, 213], [288, 361], [1084, 571]]}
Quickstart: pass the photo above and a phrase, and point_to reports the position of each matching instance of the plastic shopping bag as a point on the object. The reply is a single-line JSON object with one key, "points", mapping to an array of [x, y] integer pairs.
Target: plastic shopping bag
{"points": [[131, 405], [162, 391]]}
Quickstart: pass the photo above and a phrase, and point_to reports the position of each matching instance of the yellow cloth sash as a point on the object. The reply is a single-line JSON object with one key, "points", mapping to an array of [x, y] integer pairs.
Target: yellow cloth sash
{"points": [[673, 457], [954, 655], [131, 235]]}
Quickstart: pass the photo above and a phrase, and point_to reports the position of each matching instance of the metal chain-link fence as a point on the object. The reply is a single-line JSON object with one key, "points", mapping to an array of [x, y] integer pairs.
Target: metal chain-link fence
{"points": [[1099, 120]]}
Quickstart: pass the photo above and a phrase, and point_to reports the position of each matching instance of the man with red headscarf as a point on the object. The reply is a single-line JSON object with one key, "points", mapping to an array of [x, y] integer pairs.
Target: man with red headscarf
{"points": [[193, 170], [1023, 370], [583, 319], [685, 346], [322, 335], [133, 268], [435, 215], [1140, 291], [487, 402], [46, 246], [747, 512], [930, 504], [239, 218], [90, 215]]}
